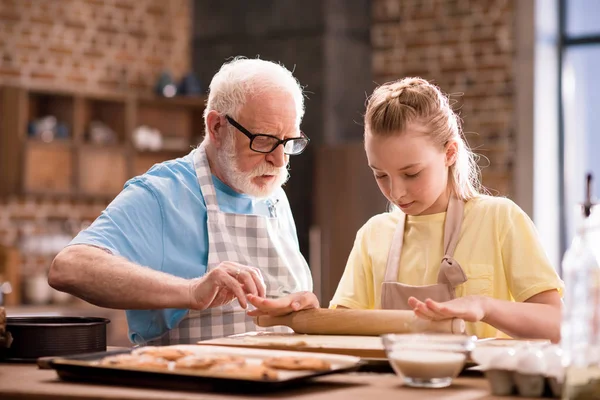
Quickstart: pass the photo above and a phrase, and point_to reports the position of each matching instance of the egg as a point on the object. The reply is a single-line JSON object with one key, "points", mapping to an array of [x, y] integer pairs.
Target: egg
{"points": [[505, 360], [553, 357], [531, 361]]}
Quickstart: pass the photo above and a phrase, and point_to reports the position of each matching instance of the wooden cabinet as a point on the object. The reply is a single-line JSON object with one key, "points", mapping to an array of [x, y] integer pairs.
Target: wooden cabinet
{"points": [[102, 170], [345, 197], [70, 160], [48, 168]]}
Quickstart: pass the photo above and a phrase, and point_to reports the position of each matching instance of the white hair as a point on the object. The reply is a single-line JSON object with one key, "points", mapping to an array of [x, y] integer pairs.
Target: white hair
{"points": [[242, 77]]}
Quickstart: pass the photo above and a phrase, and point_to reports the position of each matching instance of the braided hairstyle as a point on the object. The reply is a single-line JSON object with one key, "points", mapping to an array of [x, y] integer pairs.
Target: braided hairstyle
{"points": [[396, 105]]}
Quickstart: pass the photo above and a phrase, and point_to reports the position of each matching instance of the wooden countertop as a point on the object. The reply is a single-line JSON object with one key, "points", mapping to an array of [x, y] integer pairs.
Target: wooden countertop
{"points": [[26, 381]]}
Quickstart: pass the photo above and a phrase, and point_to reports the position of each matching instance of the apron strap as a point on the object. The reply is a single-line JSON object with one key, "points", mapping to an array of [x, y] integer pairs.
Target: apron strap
{"points": [[451, 272], [205, 181], [393, 261]]}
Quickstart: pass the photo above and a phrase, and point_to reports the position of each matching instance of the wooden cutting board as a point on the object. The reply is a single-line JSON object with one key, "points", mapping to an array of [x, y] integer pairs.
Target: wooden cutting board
{"points": [[359, 346], [339, 331]]}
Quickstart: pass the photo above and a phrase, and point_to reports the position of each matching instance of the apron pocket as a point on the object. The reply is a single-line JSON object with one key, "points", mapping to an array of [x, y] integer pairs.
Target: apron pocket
{"points": [[479, 280]]}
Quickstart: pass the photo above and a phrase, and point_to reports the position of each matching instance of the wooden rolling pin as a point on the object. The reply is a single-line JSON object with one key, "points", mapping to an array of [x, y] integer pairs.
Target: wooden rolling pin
{"points": [[323, 321]]}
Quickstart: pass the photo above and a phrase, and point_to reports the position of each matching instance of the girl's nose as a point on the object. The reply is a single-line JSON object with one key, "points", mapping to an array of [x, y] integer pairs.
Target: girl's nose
{"points": [[397, 190]]}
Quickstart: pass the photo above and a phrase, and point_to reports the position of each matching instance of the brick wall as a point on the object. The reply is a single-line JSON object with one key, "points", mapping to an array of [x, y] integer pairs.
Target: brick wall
{"points": [[28, 222], [467, 48], [96, 45], [103, 45]]}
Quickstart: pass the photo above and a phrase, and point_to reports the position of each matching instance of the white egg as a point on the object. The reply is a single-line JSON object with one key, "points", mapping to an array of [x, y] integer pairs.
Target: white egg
{"points": [[553, 356], [506, 360], [531, 361]]}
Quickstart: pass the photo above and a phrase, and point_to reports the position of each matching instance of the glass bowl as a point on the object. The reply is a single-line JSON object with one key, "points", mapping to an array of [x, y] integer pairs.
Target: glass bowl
{"points": [[427, 360]]}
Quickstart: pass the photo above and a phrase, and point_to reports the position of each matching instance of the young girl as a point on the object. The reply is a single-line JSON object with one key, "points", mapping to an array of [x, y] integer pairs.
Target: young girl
{"points": [[446, 250]]}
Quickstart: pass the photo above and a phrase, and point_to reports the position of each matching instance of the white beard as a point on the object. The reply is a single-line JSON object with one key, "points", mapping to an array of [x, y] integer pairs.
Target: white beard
{"points": [[243, 181]]}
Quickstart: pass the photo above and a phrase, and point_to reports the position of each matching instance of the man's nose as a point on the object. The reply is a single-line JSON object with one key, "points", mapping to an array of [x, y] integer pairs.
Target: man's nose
{"points": [[277, 157]]}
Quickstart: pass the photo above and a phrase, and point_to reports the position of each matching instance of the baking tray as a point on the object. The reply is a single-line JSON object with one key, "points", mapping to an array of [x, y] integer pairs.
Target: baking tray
{"points": [[81, 368]]}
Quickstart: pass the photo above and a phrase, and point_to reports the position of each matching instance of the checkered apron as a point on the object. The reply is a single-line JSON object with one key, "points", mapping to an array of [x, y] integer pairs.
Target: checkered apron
{"points": [[252, 240]]}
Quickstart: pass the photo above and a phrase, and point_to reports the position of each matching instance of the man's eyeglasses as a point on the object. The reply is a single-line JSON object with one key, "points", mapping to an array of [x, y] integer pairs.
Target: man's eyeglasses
{"points": [[262, 143]]}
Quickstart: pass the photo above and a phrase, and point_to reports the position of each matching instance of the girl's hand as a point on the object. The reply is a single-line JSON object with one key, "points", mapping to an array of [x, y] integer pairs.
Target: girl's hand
{"points": [[282, 306], [469, 308]]}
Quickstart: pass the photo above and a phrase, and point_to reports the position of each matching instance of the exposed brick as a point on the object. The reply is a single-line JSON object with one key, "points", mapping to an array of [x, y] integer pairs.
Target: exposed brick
{"points": [[60, 50], [105, 28], [73, 24], [109, 84], [42, 20], [155, 10], [45, 75], [28, 46], [6, 71], [125, 56], [9, 16], [446, 42], [93, 54], [138, 33], [166, 36], [125, 5], [385, 10], [155, 61]]}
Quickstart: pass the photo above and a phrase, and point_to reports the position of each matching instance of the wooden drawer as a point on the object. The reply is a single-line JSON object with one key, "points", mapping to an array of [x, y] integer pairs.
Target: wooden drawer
{"points": [[102, 170], [48, 168]]}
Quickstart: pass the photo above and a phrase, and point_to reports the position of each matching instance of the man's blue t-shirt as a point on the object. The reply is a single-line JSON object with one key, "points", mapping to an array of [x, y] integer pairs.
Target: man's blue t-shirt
{"points": [[159, 221]]}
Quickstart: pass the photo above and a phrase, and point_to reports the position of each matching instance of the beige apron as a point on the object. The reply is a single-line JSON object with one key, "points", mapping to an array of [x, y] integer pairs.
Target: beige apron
{"points": [[394, 295]]}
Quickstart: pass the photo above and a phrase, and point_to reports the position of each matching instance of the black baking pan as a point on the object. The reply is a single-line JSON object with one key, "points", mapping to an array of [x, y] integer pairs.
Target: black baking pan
{"points": [[46, 336], [81, 368]]}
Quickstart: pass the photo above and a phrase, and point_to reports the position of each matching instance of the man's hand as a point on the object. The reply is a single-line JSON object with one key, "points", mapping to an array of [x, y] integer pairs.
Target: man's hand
{"points": [[469, 308], [283, 305], [224, 284]]}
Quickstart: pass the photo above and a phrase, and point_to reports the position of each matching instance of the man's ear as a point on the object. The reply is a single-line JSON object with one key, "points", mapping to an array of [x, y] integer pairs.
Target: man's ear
{"points": [[451, 153], [216, 127]]}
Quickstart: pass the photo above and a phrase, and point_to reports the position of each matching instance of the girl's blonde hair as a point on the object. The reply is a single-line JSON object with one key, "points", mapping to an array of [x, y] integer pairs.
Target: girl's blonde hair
{"points": [[395, 105]]}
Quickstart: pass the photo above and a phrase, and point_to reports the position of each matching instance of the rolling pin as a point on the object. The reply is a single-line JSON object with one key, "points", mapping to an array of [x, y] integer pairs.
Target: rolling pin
{"points": [[323, 321]]}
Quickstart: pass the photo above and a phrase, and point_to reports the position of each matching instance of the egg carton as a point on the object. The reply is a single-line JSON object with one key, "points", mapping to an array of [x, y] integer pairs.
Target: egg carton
{"points": [[510, 383], [528, 369]]}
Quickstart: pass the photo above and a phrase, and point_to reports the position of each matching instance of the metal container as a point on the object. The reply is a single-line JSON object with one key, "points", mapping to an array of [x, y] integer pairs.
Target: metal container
{"points": [[45, 336]]}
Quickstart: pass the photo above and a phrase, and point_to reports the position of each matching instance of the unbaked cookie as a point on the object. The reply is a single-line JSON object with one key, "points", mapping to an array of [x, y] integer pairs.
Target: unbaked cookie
{"points": [[169, 353], [254, 372], [205, 362], [130, 360], [297, 363]]}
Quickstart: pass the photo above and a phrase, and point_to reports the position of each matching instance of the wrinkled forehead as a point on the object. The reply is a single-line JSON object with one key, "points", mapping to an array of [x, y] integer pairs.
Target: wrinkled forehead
{"points": [[270, 111]]}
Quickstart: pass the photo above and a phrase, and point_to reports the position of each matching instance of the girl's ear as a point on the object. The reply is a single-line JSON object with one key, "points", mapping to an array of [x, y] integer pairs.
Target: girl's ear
{"points": [[451, 153]]}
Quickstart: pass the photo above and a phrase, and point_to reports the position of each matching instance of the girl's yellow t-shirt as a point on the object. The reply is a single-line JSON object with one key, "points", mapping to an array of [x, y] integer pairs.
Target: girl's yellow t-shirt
{"points": [[498, 249]]}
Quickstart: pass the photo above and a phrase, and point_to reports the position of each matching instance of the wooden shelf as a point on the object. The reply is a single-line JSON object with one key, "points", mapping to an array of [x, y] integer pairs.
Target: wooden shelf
{"points": [[188, 102], [77, 166], [57, 143]]}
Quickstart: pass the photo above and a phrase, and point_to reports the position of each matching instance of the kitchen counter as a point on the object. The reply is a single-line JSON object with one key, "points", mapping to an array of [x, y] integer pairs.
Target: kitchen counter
{"points": [[26, 381]]}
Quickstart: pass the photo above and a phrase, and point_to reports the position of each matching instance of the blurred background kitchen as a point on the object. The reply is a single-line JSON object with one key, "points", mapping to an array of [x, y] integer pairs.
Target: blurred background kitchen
{"points": [[94, 92]]}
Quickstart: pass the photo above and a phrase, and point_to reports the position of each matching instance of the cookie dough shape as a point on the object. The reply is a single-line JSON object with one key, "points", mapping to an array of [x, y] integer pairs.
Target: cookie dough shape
{"points": [[205, 362], [297, 363], [129, 360], [254, 372], [167, 352]]}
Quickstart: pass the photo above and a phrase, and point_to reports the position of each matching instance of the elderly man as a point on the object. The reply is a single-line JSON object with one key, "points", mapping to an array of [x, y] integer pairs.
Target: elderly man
{"points": [[186, 245]]}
